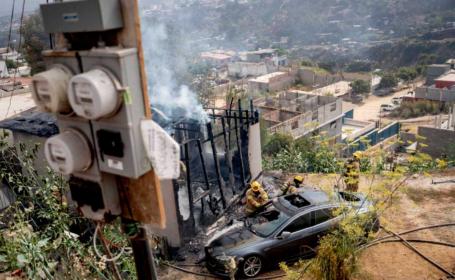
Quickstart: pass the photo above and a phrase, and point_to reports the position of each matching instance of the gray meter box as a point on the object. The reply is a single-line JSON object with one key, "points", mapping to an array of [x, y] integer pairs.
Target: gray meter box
{"points": [[118, 138], [81, 16]]}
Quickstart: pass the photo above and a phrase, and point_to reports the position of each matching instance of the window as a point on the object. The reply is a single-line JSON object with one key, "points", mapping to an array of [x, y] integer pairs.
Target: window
{"points": [[299, 224], [294, 125], [315, 115], [333, 125], [323, 215], [311, 219], [333, 107]]}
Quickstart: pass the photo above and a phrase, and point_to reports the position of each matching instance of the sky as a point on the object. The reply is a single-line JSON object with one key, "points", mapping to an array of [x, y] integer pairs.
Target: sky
{"points": [[30, 5]]}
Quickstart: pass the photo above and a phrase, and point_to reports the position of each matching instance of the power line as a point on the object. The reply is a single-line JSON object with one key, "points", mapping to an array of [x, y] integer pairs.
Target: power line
{"points": [[10, 25], [17, 57]]}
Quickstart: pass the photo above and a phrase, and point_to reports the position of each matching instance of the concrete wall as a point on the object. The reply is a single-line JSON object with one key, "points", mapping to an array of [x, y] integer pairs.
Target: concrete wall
{"points": [[435, 94], [245, 69], [276, 83], [438, 141], [434, 71], [310, 77]]}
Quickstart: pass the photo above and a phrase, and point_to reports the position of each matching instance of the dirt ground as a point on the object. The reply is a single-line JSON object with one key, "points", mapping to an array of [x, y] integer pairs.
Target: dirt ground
{"points": [[422, 201]]}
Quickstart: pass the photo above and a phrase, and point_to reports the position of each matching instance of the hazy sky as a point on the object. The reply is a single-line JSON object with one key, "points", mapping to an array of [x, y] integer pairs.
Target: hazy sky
{"points": [[30, 5]]}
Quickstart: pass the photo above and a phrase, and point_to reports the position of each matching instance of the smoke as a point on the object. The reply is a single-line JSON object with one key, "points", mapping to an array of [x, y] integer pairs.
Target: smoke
{"points": [[166, 65]]}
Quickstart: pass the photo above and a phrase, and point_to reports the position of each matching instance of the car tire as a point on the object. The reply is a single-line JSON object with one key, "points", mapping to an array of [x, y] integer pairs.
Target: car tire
{"points": [[251, 266]]}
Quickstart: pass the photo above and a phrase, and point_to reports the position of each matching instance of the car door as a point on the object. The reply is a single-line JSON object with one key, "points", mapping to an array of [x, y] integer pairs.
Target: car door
{"points": [[287, 248]]}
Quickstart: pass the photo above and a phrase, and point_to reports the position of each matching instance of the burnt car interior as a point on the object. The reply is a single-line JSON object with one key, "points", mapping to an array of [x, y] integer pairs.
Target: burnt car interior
{"points": [[297, 200]]}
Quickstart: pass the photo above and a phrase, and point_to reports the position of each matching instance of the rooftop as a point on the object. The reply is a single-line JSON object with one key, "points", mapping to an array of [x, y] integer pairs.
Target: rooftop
{"points": [[266, 78], [449, 77], [217, 55], [32, 122]]}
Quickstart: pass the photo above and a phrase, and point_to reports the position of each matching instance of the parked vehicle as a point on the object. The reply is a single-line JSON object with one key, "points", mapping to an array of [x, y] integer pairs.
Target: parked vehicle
{"points": [[287, 229], [388, 107], [397, 101]]}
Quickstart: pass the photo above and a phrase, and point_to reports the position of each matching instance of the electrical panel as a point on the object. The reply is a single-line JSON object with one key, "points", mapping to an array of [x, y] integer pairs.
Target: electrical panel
{"points": [[81, 16], [97, 200], [111, 83], [96, 95]]}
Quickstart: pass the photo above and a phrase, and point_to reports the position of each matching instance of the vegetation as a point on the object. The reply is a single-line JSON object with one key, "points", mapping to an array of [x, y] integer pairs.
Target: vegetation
{"points": [[388, 80], [11, 64], [360, 87], [43, 236], [417, 109], [35, 41], [407, 74], [359, 66], [338, 252]]}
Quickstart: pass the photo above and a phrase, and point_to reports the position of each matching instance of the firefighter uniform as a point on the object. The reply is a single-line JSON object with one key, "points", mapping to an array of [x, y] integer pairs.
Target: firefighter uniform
{"points": [[289, 188], [256, 197], [352, 173]]}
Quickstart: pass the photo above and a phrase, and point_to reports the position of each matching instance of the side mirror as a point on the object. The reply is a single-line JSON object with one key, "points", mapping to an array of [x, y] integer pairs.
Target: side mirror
{"points": [[284, 235]]}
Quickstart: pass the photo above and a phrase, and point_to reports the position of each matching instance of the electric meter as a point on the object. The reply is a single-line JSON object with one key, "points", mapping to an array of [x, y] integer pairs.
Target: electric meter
{"points": [[94, 95], [68, 152], [49, 89]]}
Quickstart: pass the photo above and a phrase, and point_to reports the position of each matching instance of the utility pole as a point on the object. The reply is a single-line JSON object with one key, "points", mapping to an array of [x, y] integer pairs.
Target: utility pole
{"points": [[95, 84]]}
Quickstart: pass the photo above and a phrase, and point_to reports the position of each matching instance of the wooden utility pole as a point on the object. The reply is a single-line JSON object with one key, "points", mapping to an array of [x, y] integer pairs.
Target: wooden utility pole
{"points": [[141, 199]]}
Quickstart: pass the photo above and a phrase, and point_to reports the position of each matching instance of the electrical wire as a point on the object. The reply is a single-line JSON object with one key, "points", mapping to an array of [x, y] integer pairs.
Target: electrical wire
{"points": [[10, 26], [213, 276], [434, 242], [95, 236], [408, 231], [17, 58], [410, 246]]}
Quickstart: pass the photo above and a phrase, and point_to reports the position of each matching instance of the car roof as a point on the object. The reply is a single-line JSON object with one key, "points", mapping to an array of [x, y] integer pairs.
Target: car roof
{"points": [[297, 202]]}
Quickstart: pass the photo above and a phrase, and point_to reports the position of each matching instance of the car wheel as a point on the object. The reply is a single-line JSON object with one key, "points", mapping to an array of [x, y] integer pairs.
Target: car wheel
{"points": [[251, 266]]}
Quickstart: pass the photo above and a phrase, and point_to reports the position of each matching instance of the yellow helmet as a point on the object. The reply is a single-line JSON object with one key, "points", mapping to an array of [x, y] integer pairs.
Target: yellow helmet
{"points": [[256, 186], [298, 179], [357, 155]]}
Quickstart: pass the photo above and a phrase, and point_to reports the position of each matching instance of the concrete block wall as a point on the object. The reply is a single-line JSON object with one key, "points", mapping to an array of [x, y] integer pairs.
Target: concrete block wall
{"points": [[438, 141]]}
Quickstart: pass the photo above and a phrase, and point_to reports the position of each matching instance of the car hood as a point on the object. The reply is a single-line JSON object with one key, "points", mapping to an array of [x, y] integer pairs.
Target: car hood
{"points": [[234, 239]]}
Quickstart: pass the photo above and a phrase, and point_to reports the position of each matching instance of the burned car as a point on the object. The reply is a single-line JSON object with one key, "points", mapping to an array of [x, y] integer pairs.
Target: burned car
{"points": [[287, 229]]}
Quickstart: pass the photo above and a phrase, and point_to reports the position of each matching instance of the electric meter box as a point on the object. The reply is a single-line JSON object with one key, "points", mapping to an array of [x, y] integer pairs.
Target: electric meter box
{"points": [[98, 200], [49, 88], [81, 16], [117, 132], [80, 129]]}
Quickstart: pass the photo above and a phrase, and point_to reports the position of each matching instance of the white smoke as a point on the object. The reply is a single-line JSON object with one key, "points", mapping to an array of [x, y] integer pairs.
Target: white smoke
{"points": [[164, 61]]}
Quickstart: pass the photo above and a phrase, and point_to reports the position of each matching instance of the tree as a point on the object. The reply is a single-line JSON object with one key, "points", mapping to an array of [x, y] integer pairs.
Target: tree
{"points": [[360, 87], [389, 80], [407, 74], [11, 64], [35, 40]]}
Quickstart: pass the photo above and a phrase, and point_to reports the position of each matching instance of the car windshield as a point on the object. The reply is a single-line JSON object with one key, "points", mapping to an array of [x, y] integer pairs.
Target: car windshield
{"points": [[266, 222]]}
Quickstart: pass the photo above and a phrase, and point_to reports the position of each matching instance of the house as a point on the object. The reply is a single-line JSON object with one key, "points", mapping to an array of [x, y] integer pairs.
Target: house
{"points": [[242, 69], [272, 82], [3, 69], [300, 114], [434, 71], [442, 89], [217, 58]]}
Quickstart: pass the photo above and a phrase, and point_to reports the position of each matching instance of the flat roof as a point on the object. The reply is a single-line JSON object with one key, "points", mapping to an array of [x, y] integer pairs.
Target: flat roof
{"points": [[266, 78], [214, 55], [449, 77]]}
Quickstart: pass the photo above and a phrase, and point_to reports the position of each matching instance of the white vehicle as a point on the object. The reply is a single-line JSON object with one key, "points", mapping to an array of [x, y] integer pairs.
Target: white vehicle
{"points": [[388, 107]]}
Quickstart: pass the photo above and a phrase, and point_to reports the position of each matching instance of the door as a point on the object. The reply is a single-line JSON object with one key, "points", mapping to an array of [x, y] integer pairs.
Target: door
{"points": [[287, 248]]}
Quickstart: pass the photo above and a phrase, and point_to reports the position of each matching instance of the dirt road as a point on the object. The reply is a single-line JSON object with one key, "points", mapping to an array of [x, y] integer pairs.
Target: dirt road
{"points": [[369, 110]]}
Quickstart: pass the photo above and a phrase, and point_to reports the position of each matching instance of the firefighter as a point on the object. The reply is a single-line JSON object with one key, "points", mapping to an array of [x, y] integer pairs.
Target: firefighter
{"points": [[352, 172], [288, 188], [256, 197]]}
